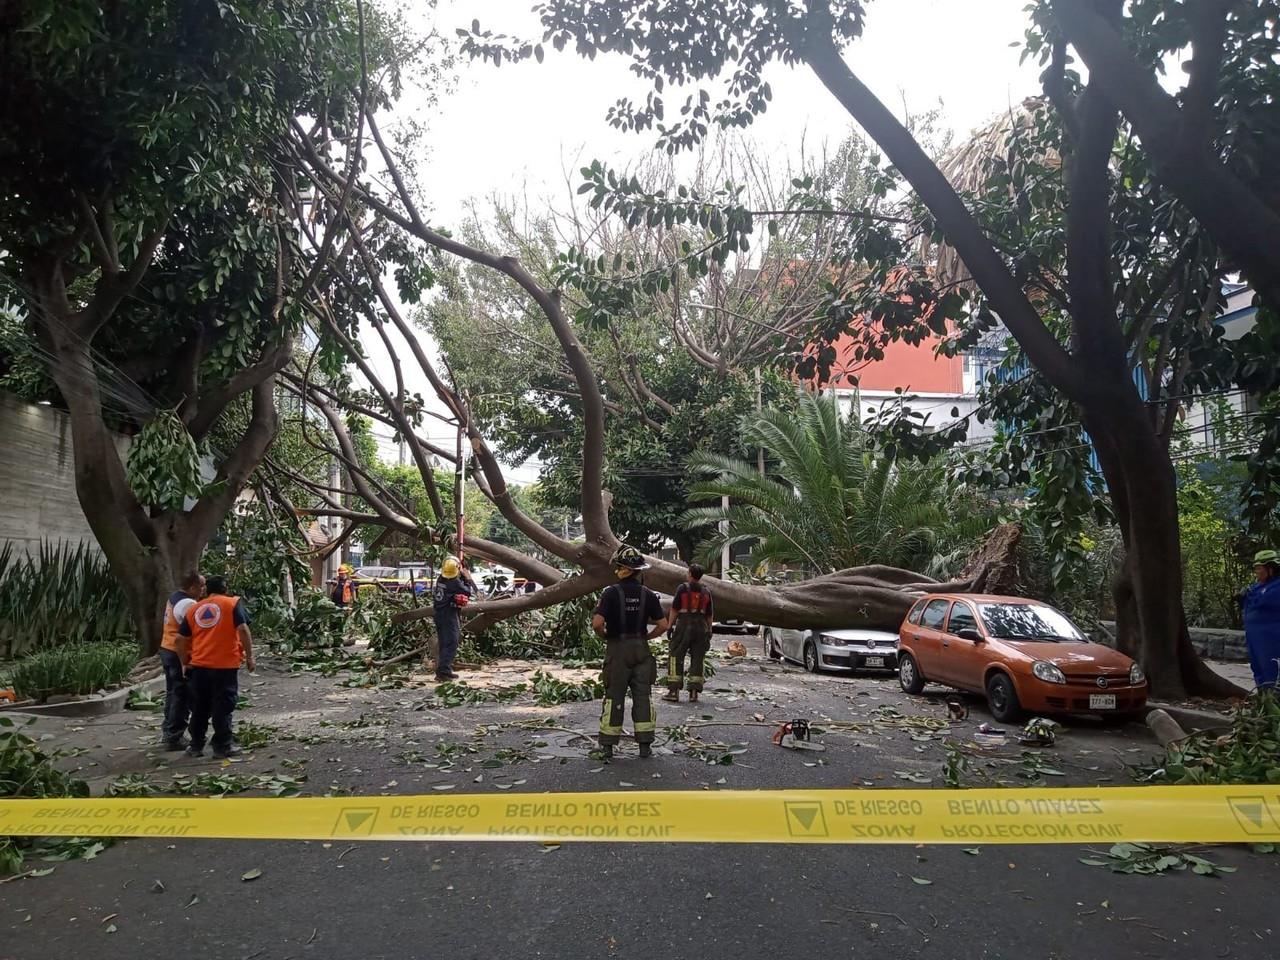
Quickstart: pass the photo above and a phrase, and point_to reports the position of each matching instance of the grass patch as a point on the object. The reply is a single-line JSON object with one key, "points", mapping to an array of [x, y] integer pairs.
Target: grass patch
{"points": [[74, 668]]}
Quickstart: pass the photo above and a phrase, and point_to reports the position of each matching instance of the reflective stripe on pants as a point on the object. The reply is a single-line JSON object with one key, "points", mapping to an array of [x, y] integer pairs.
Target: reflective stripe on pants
{"points": [[692, 636], [629, 667]]}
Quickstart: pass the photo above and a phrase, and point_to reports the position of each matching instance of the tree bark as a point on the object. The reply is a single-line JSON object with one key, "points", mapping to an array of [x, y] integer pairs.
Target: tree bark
{"points": [[1150, 620], [147, 552]]}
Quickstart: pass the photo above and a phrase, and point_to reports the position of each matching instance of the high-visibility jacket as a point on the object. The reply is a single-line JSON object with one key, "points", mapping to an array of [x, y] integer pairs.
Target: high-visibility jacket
{"points": [[215, 639], [692, 598], [174, 612]]}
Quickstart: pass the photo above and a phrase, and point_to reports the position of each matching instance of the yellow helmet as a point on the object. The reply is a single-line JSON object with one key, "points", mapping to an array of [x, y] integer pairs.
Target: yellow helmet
{"points": [[449, 568]]}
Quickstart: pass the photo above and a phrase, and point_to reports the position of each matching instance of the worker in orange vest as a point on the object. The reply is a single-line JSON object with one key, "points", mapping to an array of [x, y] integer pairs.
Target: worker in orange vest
{"points": [[174, 650], [220, 640], [344, 591]]}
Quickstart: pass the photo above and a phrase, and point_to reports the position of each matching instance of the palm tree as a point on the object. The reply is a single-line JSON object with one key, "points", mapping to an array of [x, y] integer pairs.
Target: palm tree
{"points": [[832, 502]]}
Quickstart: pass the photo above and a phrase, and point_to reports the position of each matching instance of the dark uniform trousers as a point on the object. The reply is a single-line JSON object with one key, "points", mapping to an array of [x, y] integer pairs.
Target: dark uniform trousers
{"points": [[691, 636], [629, 666]]}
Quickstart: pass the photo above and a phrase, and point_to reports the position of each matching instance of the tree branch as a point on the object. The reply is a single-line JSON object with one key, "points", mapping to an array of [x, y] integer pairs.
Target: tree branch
{"points": [[963, 232], [1239, 219]]}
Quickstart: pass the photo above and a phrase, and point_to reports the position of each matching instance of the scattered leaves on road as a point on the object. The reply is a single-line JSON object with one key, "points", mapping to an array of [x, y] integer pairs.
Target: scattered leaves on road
{"points": [[1144, 858]]}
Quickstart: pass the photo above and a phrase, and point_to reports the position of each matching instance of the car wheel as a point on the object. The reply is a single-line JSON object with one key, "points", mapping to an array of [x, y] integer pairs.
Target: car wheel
{"points": [[770, 649], [909, 676], [1003, 699], [811, 657]]}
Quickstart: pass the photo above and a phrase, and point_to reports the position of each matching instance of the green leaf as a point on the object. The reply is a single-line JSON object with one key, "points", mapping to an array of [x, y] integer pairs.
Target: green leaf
{"points": [[921, 881], [253, 874]]}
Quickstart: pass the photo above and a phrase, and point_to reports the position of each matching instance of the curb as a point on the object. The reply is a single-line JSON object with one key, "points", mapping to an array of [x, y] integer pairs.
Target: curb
{"points": [[91, 706]]}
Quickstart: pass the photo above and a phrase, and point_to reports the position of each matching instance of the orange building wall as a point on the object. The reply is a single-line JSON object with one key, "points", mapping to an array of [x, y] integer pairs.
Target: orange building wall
{"points": [[913, 368]]}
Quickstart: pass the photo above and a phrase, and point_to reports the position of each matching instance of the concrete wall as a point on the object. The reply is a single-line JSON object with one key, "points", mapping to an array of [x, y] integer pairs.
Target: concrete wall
{"points": [[37, 481], [1210, 642]]}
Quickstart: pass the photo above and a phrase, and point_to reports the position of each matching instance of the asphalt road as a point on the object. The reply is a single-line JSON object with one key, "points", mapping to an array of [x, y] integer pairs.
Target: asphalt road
{"points": [[459, 900]]}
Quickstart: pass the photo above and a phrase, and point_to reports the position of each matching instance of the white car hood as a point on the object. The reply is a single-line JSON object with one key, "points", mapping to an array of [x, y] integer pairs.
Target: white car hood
{"points": [[860, 636]]}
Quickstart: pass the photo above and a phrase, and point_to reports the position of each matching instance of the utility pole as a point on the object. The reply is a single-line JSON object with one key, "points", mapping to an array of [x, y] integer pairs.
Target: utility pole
{"points": [[459, 493], [759, 409]]}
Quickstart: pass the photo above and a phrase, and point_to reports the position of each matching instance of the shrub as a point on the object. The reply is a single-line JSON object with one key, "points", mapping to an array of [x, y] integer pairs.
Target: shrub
{"points": [[75, 668], [65, 593]]}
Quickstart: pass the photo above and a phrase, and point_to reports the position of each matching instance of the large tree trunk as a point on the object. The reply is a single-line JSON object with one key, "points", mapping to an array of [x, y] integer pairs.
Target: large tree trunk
{"points": [[147, 554], [1151, 624], [875, 597]]}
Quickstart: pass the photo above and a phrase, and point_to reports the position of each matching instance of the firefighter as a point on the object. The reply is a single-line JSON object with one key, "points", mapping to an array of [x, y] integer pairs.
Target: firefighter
{"points": [[453, 591], [693, 613], [623, 618]]}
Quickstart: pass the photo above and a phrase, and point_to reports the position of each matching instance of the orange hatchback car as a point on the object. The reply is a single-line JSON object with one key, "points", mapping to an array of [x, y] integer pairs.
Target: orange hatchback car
{"points": [[1023, 654]]}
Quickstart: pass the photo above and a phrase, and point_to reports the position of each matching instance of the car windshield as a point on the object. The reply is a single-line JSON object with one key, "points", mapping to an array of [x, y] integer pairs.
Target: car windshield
{"points": [[1028, 621], [374, 573]]}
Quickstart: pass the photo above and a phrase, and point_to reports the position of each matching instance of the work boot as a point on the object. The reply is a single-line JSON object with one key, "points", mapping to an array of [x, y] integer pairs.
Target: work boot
{"points": [[227, 752], [646, 750], [606, 751], [173, 746], [693, 696], [194, 751], [672, 696]]}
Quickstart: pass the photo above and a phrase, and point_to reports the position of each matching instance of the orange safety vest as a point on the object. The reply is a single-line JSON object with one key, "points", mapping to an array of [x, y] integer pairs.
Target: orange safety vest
{"points": [[170, 639], [693, 600], [215, 640]]}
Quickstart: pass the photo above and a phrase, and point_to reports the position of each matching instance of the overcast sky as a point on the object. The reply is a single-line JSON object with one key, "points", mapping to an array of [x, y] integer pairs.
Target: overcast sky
{"points": [[514, 130]]}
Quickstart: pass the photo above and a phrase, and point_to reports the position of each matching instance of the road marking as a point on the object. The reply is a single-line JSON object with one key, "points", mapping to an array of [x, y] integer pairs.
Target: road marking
{"points": [[1073, 815]]}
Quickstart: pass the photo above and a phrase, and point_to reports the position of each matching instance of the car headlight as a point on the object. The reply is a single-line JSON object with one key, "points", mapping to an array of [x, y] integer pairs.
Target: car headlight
{"points": [[1136, 675], [834, 642], [1048, 672]]}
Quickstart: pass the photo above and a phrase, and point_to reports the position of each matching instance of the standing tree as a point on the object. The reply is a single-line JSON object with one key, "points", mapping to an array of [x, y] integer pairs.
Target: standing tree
{"points": [[1077, 340], [149, 222]]}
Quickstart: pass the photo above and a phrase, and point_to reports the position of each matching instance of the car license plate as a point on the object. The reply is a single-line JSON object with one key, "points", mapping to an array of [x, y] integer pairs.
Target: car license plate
{"points": [[1102, 701], [874, 661]]}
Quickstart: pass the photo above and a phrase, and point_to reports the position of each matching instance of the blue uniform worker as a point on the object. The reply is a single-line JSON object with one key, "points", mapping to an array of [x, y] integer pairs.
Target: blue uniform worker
{"points": [[454, 589], [1262, 619]]}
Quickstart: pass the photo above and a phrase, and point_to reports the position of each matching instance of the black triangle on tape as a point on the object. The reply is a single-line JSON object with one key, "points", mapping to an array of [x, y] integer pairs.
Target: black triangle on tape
{"points": [[1251, 810], [806, 816]]}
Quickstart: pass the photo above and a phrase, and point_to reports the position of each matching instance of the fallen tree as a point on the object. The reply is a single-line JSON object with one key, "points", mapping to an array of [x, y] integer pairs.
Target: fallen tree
{"points": [[872, 595]]}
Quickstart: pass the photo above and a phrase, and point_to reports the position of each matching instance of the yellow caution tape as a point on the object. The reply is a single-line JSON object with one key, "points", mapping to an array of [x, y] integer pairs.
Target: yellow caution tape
{"points": [[1078, 815]]}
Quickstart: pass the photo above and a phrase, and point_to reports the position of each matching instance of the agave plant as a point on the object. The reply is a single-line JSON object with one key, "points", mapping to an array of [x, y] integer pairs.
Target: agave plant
{"points": [[65, 593], [831, 502]]}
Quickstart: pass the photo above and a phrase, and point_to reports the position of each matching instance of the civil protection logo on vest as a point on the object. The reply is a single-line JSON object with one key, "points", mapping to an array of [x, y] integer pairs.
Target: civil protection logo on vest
{"points": [[208, 615]]}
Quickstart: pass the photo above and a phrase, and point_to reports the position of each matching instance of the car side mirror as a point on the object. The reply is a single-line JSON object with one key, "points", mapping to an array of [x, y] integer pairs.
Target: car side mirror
{"points": [[968, 633]]}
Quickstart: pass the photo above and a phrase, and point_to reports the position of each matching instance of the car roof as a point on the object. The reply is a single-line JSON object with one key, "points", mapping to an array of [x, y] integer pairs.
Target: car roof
{"points": [[983, 598]]}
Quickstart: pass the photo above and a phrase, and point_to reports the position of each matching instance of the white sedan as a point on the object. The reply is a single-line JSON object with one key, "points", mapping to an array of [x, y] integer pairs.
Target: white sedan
{"points": [[819, 650]]}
